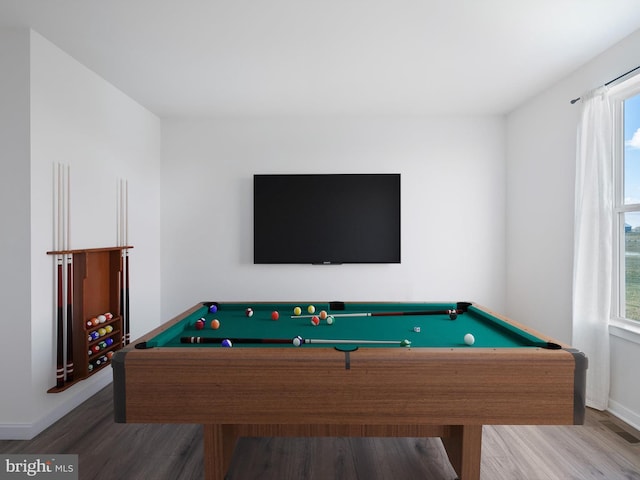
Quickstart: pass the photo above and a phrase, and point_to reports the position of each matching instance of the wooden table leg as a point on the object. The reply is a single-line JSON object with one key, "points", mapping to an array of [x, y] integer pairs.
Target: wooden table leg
{"points": [[219, 443], [464, 449]]}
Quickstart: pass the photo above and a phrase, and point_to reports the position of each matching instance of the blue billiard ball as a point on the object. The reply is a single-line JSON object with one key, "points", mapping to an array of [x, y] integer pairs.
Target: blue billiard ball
{"points": [[226, 343], [213, 309]]}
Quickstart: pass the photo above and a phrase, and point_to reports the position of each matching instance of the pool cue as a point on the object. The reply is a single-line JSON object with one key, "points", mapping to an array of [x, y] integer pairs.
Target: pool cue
{"points": [[387, 314], [236, 340], [126, 254], [285, 341], [59, 261], [328, 341], [121, 244], [69, 377]]}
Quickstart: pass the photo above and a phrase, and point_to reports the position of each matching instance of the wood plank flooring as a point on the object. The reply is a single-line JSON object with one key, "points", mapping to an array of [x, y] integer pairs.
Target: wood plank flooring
{"points": [[603, 448]]}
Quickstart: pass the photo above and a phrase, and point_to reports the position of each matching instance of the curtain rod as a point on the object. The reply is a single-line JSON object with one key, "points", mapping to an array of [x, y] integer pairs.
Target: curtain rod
{"points": [[611, 81]]}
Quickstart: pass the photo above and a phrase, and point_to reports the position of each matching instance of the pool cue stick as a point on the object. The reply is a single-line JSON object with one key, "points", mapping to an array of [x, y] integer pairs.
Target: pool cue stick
{"points": [[387, 314], [69, 282], [328, 341], [126, 253], [59, 260], [236, 340], [316, 341], [121, 244]]}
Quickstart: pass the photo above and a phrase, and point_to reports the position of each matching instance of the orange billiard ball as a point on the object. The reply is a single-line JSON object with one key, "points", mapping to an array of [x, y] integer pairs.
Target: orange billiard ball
{"points": [[215, 324]]}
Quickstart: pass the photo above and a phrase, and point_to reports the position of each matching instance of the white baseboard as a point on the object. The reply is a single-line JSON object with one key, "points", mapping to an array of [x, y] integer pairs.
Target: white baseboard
{"points": [[625, 414], [28, 431]]}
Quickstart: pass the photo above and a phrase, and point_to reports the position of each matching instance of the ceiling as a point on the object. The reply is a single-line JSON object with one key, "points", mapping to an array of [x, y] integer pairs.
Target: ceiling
{"points": [[308, 57]]}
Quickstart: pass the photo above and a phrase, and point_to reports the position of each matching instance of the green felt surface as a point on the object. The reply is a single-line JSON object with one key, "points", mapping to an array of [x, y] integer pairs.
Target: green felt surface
{"points": [[435, 330]]}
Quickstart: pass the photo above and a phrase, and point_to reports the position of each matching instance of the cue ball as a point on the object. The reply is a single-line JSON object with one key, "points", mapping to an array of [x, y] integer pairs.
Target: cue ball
{"points": [[469, 339], [248, 312], [101, 318], [311, 309], [215, 324], [297, 311], [275, 315]]}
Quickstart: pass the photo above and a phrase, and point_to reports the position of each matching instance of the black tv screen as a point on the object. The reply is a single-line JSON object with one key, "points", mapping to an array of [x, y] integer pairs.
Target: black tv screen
{"points": [[326, 218]]}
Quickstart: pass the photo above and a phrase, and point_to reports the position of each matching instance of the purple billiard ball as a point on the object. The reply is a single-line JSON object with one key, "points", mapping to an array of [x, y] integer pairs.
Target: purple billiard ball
{"points": [[226, 343], [213, 308]]}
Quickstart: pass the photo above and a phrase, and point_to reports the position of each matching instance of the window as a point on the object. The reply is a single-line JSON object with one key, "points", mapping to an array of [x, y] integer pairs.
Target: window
{"points": [[626, 102]]}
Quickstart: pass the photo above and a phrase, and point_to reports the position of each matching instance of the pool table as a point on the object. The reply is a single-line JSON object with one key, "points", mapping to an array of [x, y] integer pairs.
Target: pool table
{"points": [[367, 369]]}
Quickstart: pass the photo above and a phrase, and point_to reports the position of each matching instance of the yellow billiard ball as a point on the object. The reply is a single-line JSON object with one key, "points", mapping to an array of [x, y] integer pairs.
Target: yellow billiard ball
{"points": [[311, 309], [297, 311]]}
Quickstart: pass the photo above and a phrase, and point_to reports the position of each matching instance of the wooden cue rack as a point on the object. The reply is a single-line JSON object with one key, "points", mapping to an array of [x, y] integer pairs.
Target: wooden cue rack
{"points": [[98, 286]]}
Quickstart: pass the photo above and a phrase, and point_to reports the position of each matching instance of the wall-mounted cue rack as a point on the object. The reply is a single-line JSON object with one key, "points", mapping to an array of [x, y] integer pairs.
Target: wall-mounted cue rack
{"points": [[93, 317]]}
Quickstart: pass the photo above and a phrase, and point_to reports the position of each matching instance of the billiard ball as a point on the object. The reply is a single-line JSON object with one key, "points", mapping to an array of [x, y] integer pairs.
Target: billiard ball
{"points": [[215, 324], [108, 316], [109, 328], [297, 311], [315, 320], [297, 341], [95, 321], [95, 349], [323, 315], [227, 343], [311, 309], [330, 320], [275, 315], [109, 341], [248, 312], [109, 355], [199, 324], [213, 308], [89, 324], [102, 332], [469, 339], [101, 318]]}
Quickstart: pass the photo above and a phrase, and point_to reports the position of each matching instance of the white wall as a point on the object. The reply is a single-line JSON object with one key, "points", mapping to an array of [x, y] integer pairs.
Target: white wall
{"points": [[453, 207], [540, 177], [82, 121], [15, 303]]}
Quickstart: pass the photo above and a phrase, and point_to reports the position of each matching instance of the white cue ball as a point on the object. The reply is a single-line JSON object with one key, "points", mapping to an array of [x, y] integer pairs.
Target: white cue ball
{"points": [[469, 339]]}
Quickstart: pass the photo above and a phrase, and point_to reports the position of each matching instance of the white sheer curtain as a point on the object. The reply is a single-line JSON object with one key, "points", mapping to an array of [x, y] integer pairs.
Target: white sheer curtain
{"points": [[593, 231]]}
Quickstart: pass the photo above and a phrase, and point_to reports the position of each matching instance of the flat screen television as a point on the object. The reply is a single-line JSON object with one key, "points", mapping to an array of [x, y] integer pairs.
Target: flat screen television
{"points": [[326, 218]]}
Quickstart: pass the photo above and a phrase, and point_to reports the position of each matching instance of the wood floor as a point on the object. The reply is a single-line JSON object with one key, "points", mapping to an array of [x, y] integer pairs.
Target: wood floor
{"points": [[603, 448]]}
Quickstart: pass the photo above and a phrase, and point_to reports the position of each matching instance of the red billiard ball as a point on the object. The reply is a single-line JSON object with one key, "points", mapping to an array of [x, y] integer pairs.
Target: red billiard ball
{"points": [[315, 321], [275, 315], [200, 324]]}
